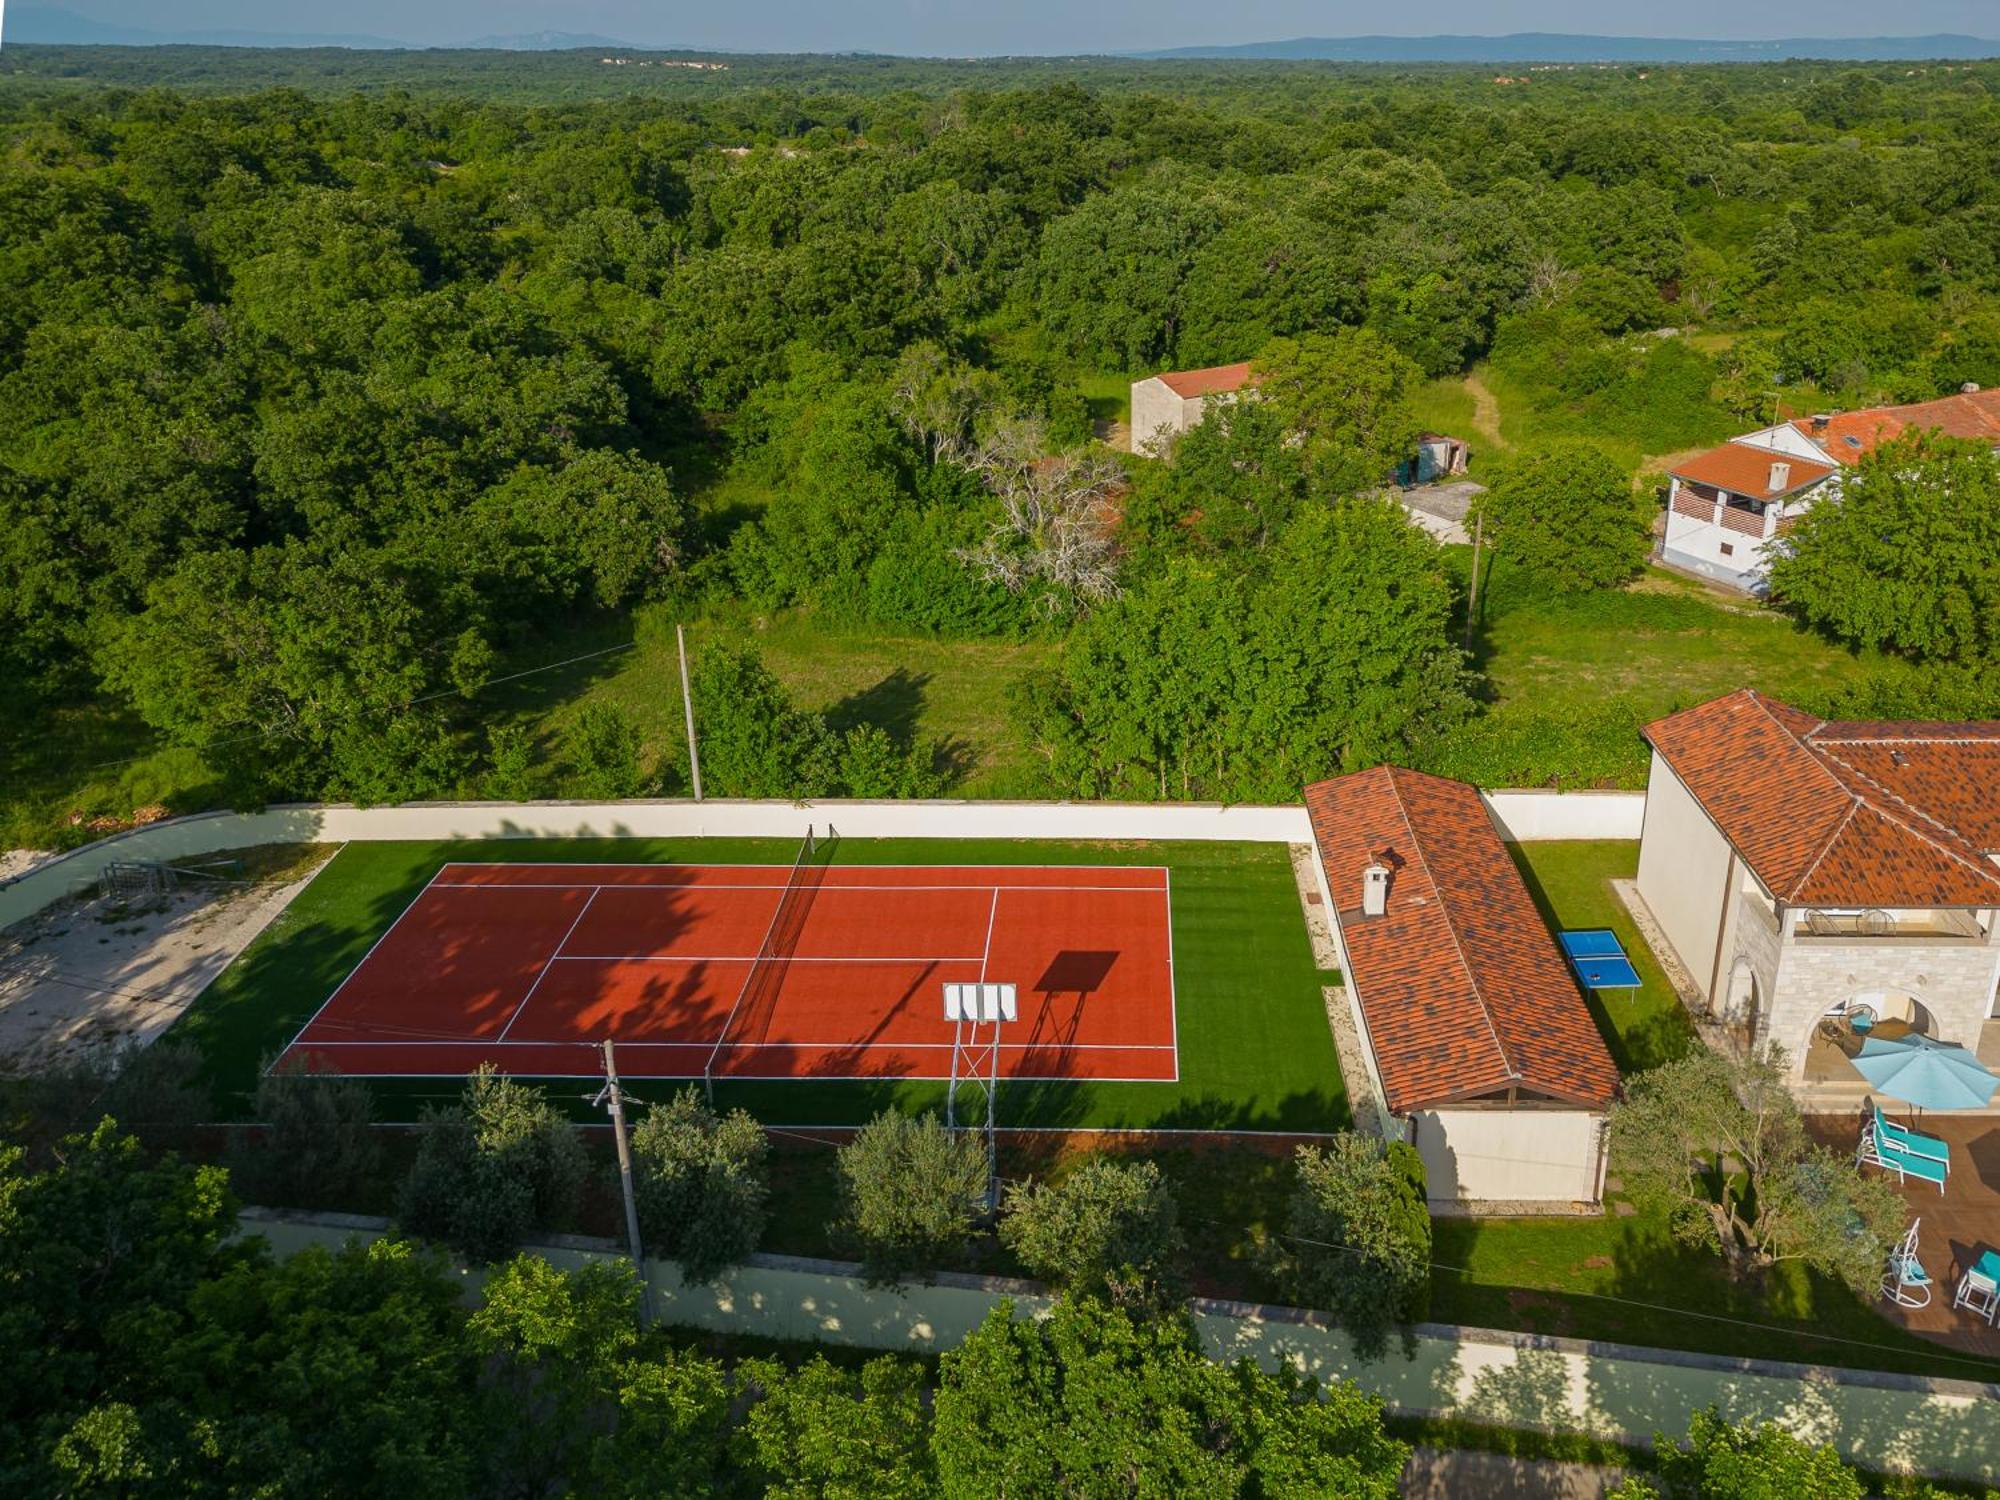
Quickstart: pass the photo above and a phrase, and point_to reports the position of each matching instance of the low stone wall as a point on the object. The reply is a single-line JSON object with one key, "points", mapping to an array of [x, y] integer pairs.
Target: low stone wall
{"points": [[1522, 815], [1944, 1428]]}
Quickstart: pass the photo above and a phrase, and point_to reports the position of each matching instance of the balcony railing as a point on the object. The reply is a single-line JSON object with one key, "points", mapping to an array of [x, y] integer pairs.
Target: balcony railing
{"points": [[1875, 923]]}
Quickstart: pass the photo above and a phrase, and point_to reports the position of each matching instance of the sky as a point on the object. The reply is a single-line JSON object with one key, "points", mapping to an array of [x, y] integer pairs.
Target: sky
{"points": [[964, 27]]}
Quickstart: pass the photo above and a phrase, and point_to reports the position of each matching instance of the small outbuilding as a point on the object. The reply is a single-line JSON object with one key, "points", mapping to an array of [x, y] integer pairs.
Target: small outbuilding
{"points": [[1479, 1044], [1166, 405]]}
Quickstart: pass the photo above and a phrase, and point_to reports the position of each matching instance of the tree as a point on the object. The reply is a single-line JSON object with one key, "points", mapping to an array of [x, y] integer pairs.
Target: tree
{"points": [[756, 743], [1092, 1401], [1054, 540], [1345, 398], [701, 1184], [912, 1192], [1198, 683], [1360, 1235], [601, 745], [1233, 484], [1908, 558], [317, 1144], [492, 1168], [1742, 1461], [1108, 1228], [1354, 662], [1568, 515], [823, 1433], [1719, 1145]]}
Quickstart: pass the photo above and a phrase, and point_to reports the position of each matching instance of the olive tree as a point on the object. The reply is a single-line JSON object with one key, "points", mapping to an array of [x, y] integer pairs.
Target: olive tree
{"points": [[913, 1191], [701, 1184]]}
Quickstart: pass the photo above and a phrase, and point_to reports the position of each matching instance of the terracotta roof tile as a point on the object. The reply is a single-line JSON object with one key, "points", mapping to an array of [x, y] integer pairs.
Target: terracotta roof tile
{"points": [[1745, 470], [1844, 814], [1464, 990], [1851, 435], [1207, 382]]}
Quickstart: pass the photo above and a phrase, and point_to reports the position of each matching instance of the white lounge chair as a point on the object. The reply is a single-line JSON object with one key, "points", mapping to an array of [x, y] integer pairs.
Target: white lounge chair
{"points": [[1904, 1281]]}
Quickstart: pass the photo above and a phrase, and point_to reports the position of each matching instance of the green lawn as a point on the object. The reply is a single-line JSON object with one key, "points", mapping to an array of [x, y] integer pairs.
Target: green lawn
{"points": [[955, 691], [1571, 886], [1255, 1050]]}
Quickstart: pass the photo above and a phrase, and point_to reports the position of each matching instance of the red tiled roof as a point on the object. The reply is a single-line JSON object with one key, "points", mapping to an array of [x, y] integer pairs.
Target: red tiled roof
{"points": [[1851, 435], [1463, 989], [1744, 470], [1844, 814], [1208, 382]]}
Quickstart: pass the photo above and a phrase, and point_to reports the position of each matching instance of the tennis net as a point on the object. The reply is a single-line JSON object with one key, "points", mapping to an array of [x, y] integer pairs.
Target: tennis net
{"points": [[760, 985]]}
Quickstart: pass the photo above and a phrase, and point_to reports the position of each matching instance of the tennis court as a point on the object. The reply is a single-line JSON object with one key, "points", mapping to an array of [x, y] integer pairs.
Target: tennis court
{"points": [[759, 972]]}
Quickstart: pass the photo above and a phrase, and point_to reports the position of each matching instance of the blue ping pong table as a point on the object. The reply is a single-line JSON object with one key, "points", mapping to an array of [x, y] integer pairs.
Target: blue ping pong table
{"points": [[1599, 959]]}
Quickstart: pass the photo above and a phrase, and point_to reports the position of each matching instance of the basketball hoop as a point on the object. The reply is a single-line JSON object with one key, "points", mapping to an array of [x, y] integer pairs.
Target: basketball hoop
{"points": [[977, 1012]]}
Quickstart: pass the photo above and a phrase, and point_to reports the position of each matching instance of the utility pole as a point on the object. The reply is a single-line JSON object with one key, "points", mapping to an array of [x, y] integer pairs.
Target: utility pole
{"points": [[687, 704], [611, 1098], [1472, 599]]}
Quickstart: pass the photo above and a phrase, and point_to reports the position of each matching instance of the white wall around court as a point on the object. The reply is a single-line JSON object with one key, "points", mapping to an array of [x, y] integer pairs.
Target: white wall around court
{"points": [[1521, 815], [1943, 1428]]}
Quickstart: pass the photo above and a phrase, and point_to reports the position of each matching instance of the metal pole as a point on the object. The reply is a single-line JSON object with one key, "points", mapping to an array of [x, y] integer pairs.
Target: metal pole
{"points": [[1472, 600], [616, 1103], [687, 704]]}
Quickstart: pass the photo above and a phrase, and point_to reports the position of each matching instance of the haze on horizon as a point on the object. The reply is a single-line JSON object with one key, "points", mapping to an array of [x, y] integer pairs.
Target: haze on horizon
{"points": [[961, 27]]}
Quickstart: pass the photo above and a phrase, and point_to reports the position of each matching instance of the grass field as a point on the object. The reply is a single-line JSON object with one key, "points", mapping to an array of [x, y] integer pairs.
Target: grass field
{"points": [[1255, 1050], [1571, 886]]}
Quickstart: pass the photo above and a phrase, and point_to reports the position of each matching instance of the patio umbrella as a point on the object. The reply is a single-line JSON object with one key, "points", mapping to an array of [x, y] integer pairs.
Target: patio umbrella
{"points": [[1929, 1074]]}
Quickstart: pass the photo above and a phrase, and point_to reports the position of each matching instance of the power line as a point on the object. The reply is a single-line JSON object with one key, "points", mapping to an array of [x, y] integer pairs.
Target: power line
{"points": [[270, 730]]}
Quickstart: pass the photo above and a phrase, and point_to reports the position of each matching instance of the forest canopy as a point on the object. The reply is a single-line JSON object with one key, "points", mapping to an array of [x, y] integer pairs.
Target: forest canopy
{"points": [[319, 408]]}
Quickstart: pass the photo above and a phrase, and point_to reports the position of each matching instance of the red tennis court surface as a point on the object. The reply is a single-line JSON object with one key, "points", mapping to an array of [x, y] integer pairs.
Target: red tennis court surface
{"points": [[524, 965]]}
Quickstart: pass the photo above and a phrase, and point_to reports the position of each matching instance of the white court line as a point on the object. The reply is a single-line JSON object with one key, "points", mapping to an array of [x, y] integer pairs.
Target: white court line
{"points": [[992, 916], [814, 1046], [748, 958], [712, 885], [1173, 983], [360, 965], [547, 964]]}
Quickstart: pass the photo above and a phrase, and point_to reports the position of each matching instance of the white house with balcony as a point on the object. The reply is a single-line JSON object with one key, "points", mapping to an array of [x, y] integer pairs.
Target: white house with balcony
{"points": [[1728, 508], [1807, 873]]}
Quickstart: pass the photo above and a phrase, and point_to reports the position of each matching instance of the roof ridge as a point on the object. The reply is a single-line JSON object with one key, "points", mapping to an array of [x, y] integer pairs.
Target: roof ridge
{"points": [[1943, 848], [1887, 791], [1450, 923], [1798, 882], [1764, 706]]}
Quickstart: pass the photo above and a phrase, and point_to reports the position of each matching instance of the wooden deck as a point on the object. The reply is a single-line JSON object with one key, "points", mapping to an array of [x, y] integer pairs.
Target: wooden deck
{"points": [[1956, 1225]]}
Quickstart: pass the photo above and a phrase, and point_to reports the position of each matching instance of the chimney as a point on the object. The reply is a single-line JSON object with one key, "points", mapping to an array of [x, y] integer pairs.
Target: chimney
{"points": [[1820, 421], [1970, 388], [1781, 475], [1374, 890]]}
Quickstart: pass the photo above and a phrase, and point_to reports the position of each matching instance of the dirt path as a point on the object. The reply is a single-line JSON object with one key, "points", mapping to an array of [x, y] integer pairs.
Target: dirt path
{"points": [[1485, 411]]}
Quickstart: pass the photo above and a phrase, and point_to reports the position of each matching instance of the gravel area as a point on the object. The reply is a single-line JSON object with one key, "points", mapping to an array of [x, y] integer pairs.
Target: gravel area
{"points": [[100, 972]]}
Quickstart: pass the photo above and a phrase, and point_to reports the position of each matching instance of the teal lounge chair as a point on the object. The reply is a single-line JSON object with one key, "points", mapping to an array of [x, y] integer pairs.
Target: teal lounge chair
{"points": [[1876, 1151], [1909, 1140]]}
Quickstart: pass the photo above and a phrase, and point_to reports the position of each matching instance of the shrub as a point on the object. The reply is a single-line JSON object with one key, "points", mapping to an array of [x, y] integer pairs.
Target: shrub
{"points": [[1361, 1235], [492, 1168], [1724, 1461], [158, 1092], [1107, 1226], [701, 1184], [913, 1191], [318, 1144], [1568, 514], [601, 745], [1093, 1400]]}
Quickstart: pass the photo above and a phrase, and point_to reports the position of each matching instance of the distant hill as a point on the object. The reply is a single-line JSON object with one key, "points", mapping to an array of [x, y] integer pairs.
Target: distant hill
{"points": [[1557, 47], [545, 41], [37, 23]]}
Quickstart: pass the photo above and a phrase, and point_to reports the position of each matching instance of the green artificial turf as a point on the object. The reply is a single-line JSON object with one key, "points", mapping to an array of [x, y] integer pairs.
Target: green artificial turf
{"points": [[1255, 1051], [1571, 886]]}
